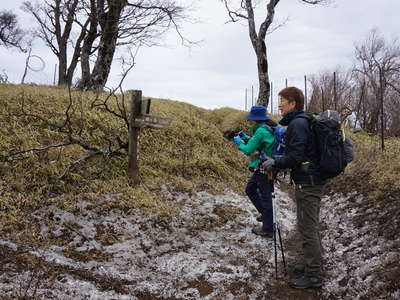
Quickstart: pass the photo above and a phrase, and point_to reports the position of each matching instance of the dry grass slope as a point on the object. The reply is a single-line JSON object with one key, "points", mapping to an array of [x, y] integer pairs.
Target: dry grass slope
{"points": [[191, 154], [374, 172]]}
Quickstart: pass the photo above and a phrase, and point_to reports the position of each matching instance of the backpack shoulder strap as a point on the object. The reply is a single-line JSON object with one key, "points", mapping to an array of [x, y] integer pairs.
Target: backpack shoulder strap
{"points": [[269, 128], [307, 116]]}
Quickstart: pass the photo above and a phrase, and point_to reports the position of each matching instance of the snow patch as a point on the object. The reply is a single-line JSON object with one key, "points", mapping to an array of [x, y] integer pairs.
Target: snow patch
{"points": [[197, 254]]}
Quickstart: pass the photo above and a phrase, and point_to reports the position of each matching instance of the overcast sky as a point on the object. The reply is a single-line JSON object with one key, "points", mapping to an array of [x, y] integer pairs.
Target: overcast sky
{"points": [[217, 72]]}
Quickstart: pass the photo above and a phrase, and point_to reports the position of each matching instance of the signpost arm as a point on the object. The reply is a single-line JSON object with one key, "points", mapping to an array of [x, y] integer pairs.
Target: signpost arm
{"points": [[133, 163]]}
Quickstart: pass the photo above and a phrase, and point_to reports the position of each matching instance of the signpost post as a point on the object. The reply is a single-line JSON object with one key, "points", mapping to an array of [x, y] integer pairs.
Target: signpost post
{"points": [[140, 118]]}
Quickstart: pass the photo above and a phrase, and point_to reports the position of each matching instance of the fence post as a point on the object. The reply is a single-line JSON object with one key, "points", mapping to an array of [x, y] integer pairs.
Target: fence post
{"points": [[55, 72], [286, 82], [133, 163], [245, 99], [334, 90], [322, 99], [382, 112], [305, 92], [252, 95], [272, 97], [359, 104]]}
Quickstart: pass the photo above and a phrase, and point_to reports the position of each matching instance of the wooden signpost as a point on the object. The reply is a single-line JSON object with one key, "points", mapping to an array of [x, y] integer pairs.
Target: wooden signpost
{"points": [[140, 118], [151, 121]]}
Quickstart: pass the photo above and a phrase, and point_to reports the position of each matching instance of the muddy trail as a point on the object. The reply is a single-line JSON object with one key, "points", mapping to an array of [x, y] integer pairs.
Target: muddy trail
{"points": [[207, 251]]}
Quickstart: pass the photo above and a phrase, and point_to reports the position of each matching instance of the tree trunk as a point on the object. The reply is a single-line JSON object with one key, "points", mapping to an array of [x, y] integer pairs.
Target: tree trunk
{"points": [[76, 54], [85, 81], [263, 78], [63, 38], [62, 67], [107, 45], [257, 40], [87, 48]]}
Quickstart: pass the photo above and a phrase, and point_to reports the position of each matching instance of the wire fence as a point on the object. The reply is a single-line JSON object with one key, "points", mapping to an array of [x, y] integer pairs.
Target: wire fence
{"points": [[251, 94], [303, 84]]}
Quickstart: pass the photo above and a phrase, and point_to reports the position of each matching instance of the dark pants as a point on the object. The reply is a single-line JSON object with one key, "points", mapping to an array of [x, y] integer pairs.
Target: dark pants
{"points": [[259, 190], [308, 200]]}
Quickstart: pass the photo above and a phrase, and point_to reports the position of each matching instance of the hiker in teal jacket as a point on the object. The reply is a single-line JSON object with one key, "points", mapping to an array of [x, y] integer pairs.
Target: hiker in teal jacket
{"points": [[259, 187]]}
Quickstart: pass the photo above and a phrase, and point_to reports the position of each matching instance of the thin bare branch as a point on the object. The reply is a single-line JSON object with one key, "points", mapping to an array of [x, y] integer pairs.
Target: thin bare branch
{"points": [[77, 162], [16, 155]]}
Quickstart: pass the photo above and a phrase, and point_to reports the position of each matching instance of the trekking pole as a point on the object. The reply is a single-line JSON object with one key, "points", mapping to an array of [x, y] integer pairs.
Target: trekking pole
{"points": [[270, 177], [276, 230]]}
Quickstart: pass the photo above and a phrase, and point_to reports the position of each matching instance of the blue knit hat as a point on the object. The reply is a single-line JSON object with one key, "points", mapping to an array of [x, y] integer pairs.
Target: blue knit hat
{"points": [[258, 113]]}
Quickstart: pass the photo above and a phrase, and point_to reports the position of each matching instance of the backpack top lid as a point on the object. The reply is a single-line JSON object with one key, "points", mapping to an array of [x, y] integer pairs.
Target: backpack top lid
{"points": [[329, 118], [330, 114]]}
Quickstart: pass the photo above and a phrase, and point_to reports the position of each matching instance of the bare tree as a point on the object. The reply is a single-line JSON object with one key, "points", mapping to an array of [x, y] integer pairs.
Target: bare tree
{"points": [[56, 19], [11, 35], [375, 57], [95, 29], [323, 92], [245, 11], [131, 24], [359, 88]]}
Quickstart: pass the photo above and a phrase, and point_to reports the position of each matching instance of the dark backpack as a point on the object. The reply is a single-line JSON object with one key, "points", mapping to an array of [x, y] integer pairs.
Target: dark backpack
{"points": [[333, 149]]}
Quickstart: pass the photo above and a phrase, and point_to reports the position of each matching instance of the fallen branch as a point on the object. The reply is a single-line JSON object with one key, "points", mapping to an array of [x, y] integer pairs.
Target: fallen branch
{"points": [[77, 162], [7, 158]]}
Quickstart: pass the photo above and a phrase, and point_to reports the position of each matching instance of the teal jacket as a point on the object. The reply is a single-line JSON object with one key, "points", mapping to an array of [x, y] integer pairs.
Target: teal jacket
{"points": [[262, 139]]}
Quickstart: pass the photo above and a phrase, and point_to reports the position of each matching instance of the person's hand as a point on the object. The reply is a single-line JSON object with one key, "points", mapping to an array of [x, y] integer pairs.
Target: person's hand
{"points": [[267, 165], [237, 140], [243, 135]]}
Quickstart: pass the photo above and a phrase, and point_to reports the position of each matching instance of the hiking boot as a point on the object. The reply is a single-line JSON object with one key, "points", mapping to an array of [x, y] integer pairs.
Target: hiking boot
{"points": [[259, 218], [299, 269], [306, 282], [264, 233]]}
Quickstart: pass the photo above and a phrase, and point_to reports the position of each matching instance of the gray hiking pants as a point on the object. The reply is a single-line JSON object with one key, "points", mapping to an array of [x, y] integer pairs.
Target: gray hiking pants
{"points": [[308, 200]]}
